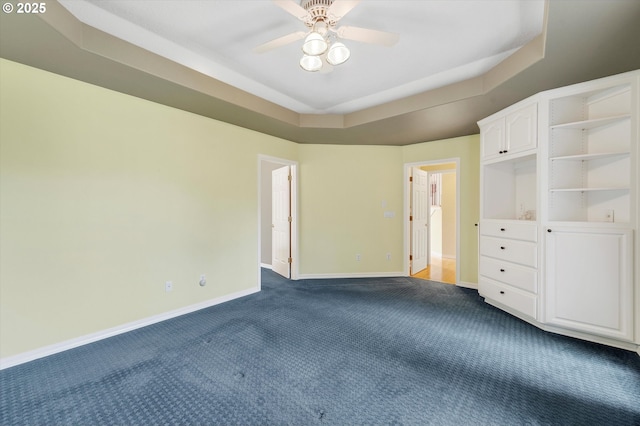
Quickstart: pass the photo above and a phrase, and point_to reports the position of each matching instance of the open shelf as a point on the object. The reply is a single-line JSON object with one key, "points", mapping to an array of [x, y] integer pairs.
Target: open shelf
{"points": [[589, 156], [587, 189], [592, 124], [510, 189]]}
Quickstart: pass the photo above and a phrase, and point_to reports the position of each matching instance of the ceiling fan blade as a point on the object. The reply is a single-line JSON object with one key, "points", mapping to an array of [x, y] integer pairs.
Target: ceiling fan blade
{"points": [[368, 36], [279, 42], [339, 8], [292, 8]]}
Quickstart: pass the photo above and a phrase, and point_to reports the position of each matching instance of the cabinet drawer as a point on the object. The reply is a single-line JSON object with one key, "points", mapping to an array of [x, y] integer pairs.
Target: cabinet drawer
{"points": [[505, 229], [509, 273], [508, 296], [510, 250]]}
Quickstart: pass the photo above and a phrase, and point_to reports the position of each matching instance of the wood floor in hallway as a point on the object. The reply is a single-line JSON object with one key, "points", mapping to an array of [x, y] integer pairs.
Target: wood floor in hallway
{"points": [[441, 269]]}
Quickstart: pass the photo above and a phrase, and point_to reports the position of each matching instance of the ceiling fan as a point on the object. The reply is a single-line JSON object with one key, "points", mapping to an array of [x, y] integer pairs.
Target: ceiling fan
{"points": [[322, 48]]}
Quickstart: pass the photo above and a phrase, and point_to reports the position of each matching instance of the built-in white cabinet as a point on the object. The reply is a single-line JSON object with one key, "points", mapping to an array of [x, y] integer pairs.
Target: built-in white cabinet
{"points": [[559, 210], [508, 267], [508, 264], [589, 155], [589, 280], [510, 134]]}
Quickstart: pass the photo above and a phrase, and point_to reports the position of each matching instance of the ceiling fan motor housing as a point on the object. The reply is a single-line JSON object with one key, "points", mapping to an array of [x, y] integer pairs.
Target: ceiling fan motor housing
{"points": [[318, 12]]}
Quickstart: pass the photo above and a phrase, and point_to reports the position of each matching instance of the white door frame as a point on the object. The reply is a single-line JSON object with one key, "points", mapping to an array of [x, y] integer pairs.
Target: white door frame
{"points": [[407, 209], [295, 264]]}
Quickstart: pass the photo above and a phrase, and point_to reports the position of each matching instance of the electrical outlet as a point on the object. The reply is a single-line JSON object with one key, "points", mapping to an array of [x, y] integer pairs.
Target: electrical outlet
{"points": [[203, 280], [168, 286], [358, 257], [609, 216]]}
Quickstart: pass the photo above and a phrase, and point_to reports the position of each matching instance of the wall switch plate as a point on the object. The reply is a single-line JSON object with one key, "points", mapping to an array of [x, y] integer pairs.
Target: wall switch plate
{"points": [[168, 286], [203, 280]]}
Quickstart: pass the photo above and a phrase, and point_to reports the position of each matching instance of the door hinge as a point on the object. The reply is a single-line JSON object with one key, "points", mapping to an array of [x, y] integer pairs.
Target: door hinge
{"points": [[410, 218], [289, 178], [290, 219], [410, 257], [410, 178], [290, 260]]}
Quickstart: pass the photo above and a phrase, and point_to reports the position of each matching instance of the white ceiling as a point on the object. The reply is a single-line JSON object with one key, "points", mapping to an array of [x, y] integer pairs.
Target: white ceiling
{"points": [[441, 42]]}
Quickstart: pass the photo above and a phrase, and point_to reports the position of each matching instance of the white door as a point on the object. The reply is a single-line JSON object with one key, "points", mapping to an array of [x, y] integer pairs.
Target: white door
{"points": [[420, 207], [281, 221]]}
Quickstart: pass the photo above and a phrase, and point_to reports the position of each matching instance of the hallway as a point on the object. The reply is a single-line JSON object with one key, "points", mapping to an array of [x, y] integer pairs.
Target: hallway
{"points": [[441, 269]]}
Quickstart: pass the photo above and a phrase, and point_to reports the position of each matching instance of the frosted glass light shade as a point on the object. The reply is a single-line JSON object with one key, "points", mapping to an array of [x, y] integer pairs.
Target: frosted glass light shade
{"points": [[338, 54], [311, 63], [314, 44]]}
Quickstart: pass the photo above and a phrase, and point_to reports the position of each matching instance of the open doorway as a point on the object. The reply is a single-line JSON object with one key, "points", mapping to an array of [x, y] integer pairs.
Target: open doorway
{"points": [[432, 220], [270, 169]]}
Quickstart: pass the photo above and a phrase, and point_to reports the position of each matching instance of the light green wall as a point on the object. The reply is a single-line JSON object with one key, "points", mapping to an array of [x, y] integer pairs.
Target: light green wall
{"points": [[104, 197], [448, 215], [467, 149], [344, 189]]}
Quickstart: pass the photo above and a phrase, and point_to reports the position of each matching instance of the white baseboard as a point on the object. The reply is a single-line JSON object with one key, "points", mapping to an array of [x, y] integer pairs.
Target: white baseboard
{"points": [[352, 275], [94, 337], [266, 266], [464, 284]]}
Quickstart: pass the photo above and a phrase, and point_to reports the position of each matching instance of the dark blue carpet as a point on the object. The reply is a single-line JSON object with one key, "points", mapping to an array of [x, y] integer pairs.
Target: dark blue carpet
{"points": [[343, 352]]}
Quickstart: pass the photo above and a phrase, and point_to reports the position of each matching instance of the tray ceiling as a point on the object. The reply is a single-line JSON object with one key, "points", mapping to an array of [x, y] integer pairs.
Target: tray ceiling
{"points": [[441, 42], [457, 61]]}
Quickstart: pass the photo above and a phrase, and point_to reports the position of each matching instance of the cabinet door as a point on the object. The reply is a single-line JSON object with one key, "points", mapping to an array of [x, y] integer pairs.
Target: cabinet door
{"points": [[589, 285], [522, 130], [492, 139]]}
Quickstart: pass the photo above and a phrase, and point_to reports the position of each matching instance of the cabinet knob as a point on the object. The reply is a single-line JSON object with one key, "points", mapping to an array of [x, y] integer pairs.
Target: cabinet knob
{"points": [[505, 151], [501, 292], [501, 270], [500, 152], [502, 247], [548, 230], [502, 229]]}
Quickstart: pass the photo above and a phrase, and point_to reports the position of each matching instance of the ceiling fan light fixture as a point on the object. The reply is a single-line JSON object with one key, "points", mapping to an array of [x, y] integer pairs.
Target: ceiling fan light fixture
{"points": [[314, 44], [338, 54], [311, 63]]}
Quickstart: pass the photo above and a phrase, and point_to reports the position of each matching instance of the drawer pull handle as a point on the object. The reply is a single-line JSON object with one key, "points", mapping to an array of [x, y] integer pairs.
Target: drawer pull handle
{"points": [[501, 292], [502, 247], [501, 270], [502, 229]]}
